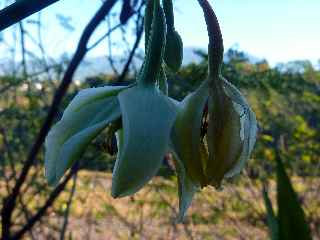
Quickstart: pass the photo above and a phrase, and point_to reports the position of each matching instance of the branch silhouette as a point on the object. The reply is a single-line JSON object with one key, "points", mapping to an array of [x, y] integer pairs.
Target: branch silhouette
{"points": [[20, 10]]}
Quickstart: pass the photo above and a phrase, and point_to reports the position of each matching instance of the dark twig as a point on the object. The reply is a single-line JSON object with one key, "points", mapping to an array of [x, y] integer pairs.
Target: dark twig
{"points": [[9, 202], [67, 211], [104, 36], [23, 50], [20, 10], [110, 57], [132, 52], [54, 194], [6, 88]]}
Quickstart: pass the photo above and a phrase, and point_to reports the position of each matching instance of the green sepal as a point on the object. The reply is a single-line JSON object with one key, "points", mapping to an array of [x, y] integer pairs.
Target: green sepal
{"points": [[87, 114], [186, 133], [248, 124], [186, 187], [147, 119], [231, 132]]}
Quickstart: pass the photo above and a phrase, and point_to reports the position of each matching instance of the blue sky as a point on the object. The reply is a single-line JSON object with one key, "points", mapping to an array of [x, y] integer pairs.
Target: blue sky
{"points": [[278, 30]]}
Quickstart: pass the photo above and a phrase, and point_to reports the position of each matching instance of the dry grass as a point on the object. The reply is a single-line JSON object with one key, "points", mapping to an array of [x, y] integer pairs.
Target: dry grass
{"points": [[237, 212]]}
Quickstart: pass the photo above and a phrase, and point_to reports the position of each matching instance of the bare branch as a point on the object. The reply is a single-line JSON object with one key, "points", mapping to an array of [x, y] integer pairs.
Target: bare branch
{"points": [[20, 10], [67, 211], [132, 52], [103, 37], [54, 194]]}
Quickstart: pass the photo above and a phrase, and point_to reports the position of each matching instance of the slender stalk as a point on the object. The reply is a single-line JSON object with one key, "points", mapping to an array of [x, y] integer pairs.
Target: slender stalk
{"points": [[168, 11], [155, 47], [215, 49]]}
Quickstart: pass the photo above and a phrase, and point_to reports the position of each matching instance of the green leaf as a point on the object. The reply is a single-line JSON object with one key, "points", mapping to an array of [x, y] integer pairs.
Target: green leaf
{"points": [[271, 218], [87, 114], [147, 119], [186, 133], [292, 223]]}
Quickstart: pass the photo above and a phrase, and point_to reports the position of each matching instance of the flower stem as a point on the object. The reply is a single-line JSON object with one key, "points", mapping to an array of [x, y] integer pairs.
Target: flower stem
{"points": [[215, 48], [168, 11], [155, 45]]}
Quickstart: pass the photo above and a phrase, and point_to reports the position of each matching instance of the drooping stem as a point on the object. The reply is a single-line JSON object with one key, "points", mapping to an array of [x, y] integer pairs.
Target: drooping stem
{"points": [[168, 11], [154, 47], [215, 48]]}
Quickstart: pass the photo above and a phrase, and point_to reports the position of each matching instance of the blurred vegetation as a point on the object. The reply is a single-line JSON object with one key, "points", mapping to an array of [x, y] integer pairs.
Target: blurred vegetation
{"points": [[286, 100]]}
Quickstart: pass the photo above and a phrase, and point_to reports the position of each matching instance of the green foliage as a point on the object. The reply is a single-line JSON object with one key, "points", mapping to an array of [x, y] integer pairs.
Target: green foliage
{"points": [[272, 220], [290, 222]]}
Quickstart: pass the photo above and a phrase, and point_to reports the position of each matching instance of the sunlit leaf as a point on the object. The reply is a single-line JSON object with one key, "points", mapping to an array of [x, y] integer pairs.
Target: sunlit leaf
{"points": [[292, 222]]}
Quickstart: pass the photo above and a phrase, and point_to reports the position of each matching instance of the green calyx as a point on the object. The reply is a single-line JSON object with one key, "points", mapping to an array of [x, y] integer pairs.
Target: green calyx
{"points": [[232, 125]]}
